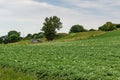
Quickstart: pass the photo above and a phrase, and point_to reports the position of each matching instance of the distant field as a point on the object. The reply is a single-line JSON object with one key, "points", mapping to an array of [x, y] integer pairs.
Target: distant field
{"points": [[96, 58]]}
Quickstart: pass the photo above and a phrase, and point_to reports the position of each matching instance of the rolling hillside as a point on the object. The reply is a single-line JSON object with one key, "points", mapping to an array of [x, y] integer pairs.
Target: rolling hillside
{"points": [[64, 37], [95, 58], [78, 36]]}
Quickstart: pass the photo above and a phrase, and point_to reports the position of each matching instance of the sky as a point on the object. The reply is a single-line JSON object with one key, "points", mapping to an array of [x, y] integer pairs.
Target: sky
{"points": [[27, 16]]}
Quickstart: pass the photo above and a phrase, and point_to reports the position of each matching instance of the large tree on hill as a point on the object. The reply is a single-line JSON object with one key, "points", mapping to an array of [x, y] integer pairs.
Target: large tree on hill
{"points": [[77, 28], [50, 26]]}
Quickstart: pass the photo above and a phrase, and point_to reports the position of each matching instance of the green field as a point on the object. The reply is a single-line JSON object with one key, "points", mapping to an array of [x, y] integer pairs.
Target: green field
{"points": [[95, 58]]}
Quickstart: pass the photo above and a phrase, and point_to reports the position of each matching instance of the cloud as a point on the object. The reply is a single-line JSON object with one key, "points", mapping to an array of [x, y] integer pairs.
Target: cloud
{"points": [[107, 6], [27, 16]]}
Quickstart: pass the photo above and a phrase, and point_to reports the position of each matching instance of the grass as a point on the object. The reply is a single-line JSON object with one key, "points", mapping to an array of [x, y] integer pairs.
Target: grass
{"points": [[10, 74], [95, 58], [64, 37], [78, 36]]}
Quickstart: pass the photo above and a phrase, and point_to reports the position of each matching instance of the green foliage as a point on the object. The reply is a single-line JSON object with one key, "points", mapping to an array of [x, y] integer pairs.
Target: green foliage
{"points": [[29, 36], [77, 28], [92, 30], [35, 36], [6, 40], [13, 32], [85, 30], [13, 36], [96, 58], [107, 27], [38, 35], [117, 25], [1, 40], [50, 26]]}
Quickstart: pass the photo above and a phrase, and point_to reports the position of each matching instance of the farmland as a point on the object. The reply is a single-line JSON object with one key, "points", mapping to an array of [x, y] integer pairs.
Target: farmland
{"points": [[96, 58]]}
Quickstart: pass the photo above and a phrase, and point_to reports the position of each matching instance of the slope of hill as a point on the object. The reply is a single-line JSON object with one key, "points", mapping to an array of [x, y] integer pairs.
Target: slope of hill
{"points": [[78, 36], [94, 58], [63, 37], [115, 33]]}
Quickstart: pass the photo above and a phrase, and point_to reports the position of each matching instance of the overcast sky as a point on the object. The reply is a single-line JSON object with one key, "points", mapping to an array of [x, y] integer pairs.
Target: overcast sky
{"points": [[27, 16]]}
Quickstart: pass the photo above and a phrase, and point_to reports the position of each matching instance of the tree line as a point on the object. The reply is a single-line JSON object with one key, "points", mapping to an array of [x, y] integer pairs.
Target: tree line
{"points": [[49, 30]]}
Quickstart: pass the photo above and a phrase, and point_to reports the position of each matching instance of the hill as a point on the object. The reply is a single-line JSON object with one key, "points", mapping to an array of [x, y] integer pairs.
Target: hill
{"points": [[64, 37], [109, 34], [78, 36], [95, 58]]}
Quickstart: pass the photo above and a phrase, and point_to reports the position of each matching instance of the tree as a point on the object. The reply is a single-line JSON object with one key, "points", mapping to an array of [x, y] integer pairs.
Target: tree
{"points": [[34, 36], [13, 36], [92, 30], [37, 35], [5, 39], [77, 28], [117, 25], [1, 40], [50, 26], [107, 27], [29, 36]]}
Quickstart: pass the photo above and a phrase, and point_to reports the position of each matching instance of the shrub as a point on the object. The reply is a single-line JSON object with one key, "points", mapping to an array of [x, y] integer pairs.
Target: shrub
{"points": [[77, 28], [1, 40], [107, 27], [92, 30], [117, 25]]}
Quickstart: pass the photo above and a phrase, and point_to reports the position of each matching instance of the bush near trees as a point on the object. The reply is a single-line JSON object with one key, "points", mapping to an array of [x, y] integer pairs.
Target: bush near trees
{"points": [[77, 28], [117, 25], [5, 40], [13, 36], [35, 36], [38, 35], [109, 26], [50, 26], [1, 40], [29, 36], [92, 30]]}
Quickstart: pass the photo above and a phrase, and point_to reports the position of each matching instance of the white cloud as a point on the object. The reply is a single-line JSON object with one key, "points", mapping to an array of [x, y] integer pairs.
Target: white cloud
{"points": [[105, 6], [27, 16]]}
